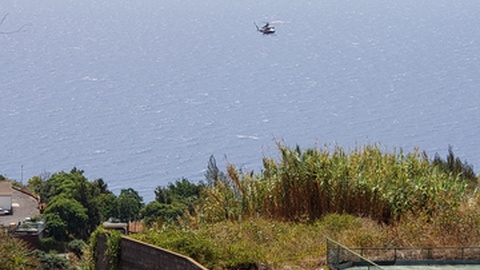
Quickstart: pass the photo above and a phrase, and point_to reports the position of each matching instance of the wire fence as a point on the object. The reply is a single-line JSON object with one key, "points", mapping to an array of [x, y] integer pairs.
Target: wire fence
{"points": [[341, 257], [396, 254]]}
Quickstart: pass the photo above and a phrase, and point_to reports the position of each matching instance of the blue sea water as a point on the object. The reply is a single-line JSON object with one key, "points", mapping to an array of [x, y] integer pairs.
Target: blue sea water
{"points": [[141, 93]]}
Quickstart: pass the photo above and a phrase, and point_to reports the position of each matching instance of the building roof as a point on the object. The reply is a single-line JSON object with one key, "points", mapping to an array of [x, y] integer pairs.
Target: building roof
{"points": [[29, 227], [5, 188]]}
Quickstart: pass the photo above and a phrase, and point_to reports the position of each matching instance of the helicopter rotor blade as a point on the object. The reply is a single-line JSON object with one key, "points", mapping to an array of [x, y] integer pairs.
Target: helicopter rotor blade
{"points": [[277, 22]]}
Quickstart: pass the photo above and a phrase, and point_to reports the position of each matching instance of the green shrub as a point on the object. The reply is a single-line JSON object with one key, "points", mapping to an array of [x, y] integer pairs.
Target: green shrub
{"points": [[76, 246], [113, 248], [53, 261], [240, 255], [113, 251], [183, 241], [335, 224], [49, 243]]}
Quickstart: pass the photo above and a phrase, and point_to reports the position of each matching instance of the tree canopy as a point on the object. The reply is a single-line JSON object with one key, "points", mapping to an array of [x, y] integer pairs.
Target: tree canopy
{"points": [[75, 206], [182, 194], [66, 217], [128, 205]]}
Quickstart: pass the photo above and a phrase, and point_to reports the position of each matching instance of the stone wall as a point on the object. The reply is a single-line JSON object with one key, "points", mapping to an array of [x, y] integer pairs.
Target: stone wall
{"points": [[101, 260], [138, 255]]}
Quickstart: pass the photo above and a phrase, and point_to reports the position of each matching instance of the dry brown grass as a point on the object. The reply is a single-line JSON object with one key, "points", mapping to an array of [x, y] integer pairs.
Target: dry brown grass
{"points": [[279, 219], [302, 245], [15, 254]]}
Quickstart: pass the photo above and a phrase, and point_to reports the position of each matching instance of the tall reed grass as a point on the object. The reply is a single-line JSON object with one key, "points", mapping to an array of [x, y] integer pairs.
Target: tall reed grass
{"points": [[306, 184]]}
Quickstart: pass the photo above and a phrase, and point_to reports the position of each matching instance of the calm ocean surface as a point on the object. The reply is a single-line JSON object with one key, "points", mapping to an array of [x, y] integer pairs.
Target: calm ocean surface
{"points": [[141, 93]]}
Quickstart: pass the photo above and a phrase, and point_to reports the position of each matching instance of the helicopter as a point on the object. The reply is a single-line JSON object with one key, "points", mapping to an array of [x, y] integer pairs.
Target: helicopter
{"points": [[266, 29]]}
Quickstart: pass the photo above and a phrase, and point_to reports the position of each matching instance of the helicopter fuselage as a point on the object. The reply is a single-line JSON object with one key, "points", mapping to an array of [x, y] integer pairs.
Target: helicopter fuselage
{"points": [[266, 29]]}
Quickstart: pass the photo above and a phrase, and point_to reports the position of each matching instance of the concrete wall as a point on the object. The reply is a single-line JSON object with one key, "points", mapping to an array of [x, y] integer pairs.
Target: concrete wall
{"points": [[101, 260], [138, 255]]}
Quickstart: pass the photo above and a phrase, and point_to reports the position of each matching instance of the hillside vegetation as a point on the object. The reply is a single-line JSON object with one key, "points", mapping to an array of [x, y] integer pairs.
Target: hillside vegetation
{"points": [[279, 218]]}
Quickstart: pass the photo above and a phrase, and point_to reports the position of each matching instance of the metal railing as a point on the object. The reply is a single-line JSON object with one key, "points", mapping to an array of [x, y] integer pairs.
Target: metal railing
{"points": [[341, 257], [395, 254]]}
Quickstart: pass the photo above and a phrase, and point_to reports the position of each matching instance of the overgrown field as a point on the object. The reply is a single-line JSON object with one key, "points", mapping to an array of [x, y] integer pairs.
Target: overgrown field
{"points": [[279, 218]]}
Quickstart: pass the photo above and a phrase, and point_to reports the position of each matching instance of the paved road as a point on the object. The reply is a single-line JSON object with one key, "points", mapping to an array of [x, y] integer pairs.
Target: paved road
{"points": [[23, 206]]}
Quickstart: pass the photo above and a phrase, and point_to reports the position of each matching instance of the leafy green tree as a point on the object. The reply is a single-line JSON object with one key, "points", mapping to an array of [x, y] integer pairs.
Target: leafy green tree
{"points": [[213, 174], [34, 184], [86, 195], [66, 217], [172, 202], [128, 204], [57, 228], [93, 196], [101, 186], [183, 194], [107, 205], [104, 198], [61, 183], [99, 201], [155, 211]]}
